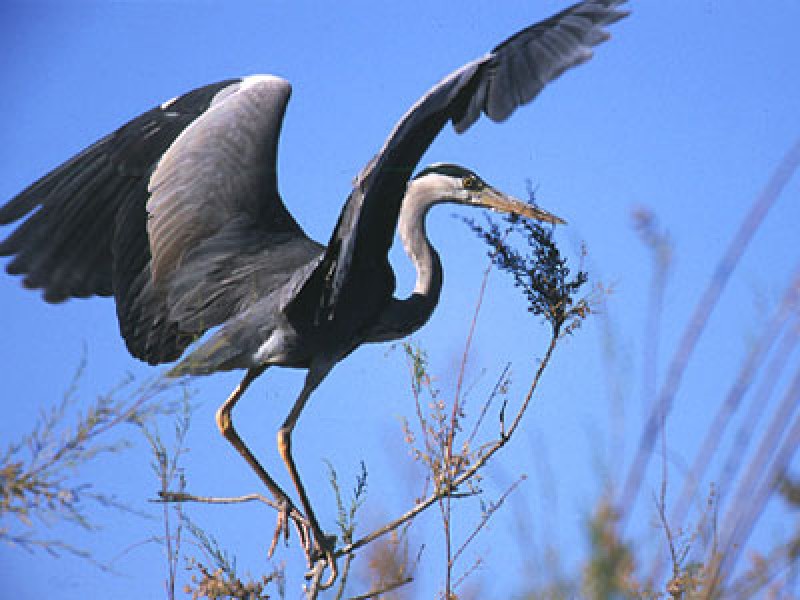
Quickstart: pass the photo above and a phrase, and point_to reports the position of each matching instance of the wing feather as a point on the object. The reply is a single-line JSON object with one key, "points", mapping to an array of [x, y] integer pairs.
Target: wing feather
{"points": [[510, 75], [83, 194], [222, 165], [202, 166]]}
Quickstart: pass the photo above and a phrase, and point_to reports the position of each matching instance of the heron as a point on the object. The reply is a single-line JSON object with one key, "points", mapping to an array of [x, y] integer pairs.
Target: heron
{"points": [[177, 215]]}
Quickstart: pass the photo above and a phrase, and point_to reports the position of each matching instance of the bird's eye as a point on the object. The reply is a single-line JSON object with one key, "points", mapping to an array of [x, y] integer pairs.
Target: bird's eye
{"points": [[470, 182]]}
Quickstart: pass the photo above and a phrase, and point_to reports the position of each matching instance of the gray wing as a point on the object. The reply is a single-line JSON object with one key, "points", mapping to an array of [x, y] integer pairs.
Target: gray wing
{"points": [[176, 214], [511, 75], [64, 245]]}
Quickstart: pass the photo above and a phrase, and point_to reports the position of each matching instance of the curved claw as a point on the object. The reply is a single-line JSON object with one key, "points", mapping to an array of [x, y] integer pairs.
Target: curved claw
{"points": [[301, 526], [330, 559], [281, 527], [287, 511], [319, 550], [322, 556]]}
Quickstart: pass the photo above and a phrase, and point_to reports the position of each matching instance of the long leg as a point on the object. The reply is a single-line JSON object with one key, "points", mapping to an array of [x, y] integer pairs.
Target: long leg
{"points": [[225, 424], [316, 373]]}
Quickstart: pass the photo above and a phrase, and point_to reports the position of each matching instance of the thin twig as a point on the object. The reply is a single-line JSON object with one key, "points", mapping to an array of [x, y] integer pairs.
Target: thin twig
{"points": [[473, 567], [467, 474], [348, 561], [486, 516], [299, 520], [529, 396], [661, 509], [501, 382], [184, 497], [467, 346], [444, 503], [745, 378]]}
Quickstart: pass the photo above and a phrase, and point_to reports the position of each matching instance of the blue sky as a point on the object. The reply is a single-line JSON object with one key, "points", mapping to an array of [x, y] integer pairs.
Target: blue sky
{"points": [[685, 111]]}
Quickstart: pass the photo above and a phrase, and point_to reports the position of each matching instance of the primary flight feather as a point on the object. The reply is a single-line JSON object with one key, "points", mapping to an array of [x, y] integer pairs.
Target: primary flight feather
{"points": [[177, 214]]}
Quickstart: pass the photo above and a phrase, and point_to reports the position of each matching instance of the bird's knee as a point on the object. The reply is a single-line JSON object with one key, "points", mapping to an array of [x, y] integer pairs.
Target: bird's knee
{"points": [[223, 418], [284, 441]]}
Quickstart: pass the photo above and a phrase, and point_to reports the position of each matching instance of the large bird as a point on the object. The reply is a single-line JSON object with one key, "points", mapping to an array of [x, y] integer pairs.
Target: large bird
{"points": [[177, 215]]}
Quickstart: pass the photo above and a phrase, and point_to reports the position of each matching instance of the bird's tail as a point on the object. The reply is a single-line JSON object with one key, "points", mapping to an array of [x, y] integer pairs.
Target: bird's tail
{"points": [[217, 354]]}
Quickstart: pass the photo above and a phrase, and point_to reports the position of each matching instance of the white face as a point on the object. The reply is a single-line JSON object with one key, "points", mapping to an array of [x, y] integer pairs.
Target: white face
{"points": [[438, 187], [449, 183]]}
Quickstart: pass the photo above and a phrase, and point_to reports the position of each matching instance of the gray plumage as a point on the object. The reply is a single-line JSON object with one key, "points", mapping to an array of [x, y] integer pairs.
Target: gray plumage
{"points": [[200, 172], [177, 214]]}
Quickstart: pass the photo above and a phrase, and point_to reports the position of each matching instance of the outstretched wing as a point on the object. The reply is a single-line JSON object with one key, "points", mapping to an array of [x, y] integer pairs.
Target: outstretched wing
{"points": [[175, 214], [509, 76], [64, 245]]}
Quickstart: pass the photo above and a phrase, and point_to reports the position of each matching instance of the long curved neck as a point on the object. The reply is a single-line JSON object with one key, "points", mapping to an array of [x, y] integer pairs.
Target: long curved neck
{"points": [[403, 317], [411, 228]]}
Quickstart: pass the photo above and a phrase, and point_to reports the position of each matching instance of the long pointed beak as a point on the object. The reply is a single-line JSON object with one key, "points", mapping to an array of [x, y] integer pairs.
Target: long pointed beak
{"points": [[497, 200]]}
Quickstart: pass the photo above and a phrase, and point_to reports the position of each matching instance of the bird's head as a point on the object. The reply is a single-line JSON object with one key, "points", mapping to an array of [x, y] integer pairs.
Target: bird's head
{"points": [[442, 182]]}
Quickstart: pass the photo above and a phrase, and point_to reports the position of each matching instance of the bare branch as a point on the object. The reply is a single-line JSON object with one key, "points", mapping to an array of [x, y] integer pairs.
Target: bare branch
{"points": [[467, 475]]}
